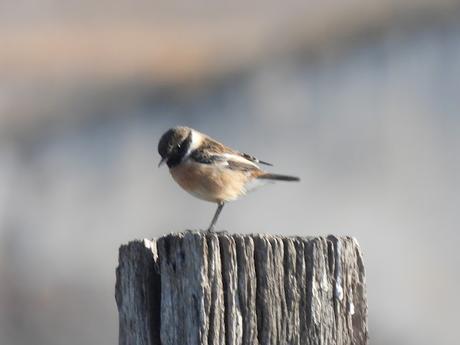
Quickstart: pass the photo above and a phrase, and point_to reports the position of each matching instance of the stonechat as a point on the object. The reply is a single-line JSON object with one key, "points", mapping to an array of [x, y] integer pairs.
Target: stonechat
{"points": [[210, 170]]}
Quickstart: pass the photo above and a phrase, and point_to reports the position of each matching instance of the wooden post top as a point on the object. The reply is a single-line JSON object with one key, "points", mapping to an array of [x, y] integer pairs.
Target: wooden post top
{"points": [[200, 288]]}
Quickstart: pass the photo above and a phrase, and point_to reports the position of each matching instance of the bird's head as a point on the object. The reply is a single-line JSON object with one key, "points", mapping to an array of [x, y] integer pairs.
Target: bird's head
{"points": [[173, 145]]}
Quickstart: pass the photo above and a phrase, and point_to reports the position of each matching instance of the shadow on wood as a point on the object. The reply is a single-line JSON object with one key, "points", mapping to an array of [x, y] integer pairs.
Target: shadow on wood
{"points": [[197, 288]]}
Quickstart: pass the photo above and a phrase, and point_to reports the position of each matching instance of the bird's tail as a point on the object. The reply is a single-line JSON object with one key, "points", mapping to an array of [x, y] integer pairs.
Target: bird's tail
{"points": [[278, 177]]}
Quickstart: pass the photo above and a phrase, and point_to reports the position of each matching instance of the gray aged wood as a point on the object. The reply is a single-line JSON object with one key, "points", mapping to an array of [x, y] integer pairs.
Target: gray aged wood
{"points": [[138, 294], [222, 289]]}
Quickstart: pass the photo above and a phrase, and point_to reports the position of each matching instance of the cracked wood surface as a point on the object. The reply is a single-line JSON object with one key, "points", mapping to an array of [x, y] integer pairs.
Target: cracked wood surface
{"points": [[197, 288]]}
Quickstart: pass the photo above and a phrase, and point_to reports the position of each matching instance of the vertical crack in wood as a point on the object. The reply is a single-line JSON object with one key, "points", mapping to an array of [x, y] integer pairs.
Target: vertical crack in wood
{"points": [[233, 307], [228, 288], [269, 266], [302, 292], [216, 331], [260, 260], [335, 271], [291, 291], [309, 311], [358, 311], [247, 288]]}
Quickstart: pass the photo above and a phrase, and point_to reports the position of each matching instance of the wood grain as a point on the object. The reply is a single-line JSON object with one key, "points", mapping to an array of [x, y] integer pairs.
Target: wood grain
{"points": [[200, 288]]}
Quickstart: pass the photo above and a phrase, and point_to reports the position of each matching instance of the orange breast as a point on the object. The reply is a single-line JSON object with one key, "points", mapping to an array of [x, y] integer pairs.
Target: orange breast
{"points": [[210, 182]]}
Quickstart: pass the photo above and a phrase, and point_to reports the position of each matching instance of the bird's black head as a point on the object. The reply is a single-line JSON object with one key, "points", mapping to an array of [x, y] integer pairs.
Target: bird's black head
{"points": [[174, 144]]}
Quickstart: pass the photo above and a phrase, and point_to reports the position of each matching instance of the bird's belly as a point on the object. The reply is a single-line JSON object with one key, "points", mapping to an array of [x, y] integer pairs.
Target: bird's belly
{"points": [[209, 182]]}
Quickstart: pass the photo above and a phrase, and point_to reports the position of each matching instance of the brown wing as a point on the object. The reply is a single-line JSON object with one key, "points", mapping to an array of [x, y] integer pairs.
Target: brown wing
{"points": [[241, 166], [226, 160], [253, 159], [213, 152], [216, 147]]}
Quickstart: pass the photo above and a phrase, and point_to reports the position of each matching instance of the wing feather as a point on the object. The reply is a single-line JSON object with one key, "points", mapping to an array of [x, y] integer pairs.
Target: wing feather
{"points": [[226, 160], [214, 147]]}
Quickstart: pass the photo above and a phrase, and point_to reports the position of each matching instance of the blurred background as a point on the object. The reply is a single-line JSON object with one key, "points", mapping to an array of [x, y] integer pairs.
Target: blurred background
{"points": [[359, 98]]}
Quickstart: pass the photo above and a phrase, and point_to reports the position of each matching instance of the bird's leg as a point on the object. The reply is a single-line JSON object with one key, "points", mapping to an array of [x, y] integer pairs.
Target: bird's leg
{"points": [[220, 206]]}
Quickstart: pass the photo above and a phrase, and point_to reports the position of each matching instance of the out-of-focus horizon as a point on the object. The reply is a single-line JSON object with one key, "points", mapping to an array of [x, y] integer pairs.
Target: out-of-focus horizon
{"points": [[359, 98]]}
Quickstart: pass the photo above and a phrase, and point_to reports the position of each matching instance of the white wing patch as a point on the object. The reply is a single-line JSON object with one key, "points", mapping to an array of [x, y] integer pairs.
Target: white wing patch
{"points": [[238, 158]]}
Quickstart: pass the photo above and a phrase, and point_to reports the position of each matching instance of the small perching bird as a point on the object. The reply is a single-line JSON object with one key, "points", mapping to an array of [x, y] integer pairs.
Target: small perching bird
{"points": [[210, 170]]}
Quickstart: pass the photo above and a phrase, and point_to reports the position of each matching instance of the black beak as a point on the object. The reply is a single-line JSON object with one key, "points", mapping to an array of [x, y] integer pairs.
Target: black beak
{"points": [[162, 161]]}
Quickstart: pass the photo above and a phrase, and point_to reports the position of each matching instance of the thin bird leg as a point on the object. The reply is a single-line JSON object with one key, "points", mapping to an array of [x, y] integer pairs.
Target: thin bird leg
{"points": [[220, 206]]}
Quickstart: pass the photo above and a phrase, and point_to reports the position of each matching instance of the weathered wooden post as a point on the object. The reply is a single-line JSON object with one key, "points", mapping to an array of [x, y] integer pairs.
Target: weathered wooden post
{"points": [[197, 288]]}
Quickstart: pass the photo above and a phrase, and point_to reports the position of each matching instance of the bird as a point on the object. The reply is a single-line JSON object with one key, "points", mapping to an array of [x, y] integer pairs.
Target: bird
{"points": [[211, 171]]}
